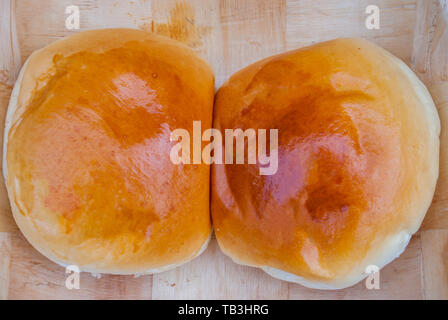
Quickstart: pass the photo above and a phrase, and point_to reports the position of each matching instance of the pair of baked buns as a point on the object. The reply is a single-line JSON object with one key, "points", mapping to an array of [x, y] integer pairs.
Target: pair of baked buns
{"points": [[91, 183]]}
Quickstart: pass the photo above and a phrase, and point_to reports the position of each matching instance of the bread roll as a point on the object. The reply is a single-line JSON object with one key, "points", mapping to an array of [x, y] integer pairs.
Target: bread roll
{"points": [[87, 152], [358, 154]]}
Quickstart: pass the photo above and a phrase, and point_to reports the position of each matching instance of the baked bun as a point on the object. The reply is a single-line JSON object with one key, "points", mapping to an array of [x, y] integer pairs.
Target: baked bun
{"points": [[358, 154], [87, 152]]}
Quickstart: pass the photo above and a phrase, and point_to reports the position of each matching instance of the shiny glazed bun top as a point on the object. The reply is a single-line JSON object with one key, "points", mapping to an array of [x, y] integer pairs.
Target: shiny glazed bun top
{"points": [[87, 154], [358, 145]]}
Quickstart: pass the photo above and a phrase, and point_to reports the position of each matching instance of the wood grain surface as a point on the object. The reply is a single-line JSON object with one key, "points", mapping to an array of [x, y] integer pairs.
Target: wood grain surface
{"points": [[231, 34]]}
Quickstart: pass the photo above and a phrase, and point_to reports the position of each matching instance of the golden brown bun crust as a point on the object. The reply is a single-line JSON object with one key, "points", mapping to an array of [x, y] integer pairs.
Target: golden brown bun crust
{"points": [[358, 163], [88, 170]]}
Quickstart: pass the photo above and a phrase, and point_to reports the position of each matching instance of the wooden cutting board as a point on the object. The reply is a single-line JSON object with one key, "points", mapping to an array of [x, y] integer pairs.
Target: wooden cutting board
{"points": [[231, 34]]}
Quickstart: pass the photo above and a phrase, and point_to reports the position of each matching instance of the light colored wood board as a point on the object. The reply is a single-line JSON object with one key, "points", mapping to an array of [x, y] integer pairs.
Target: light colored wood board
{"points": [[251, 30], [32, 276], [5, 261], [430, 62], [310, 21], [9, 69], [400, 279], [431, 41], [196, 23], [437, 216], [7, 223], [435, 263], [36, 32], [215, 276], [9, 50], [213, 28], [230, 35], [40, 24]]}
